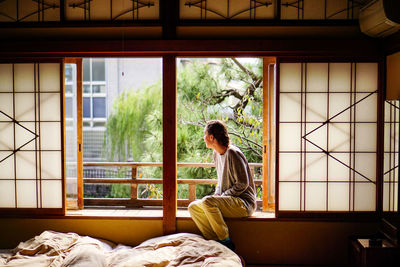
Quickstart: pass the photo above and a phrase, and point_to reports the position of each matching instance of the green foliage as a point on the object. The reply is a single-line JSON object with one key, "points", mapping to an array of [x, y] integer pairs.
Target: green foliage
{"points": [[120, 191], [131, 122]]}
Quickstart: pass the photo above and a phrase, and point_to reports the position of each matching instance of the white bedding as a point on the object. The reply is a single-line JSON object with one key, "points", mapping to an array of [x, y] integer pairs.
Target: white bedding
{"points": [[70, 249]]}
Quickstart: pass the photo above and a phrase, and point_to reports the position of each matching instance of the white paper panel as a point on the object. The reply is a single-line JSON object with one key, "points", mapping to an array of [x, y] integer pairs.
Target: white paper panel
{"points": [[316, 107], [387, 108], [50, 137], [6, 166], [388, 163], [366, 110], [51, 165], [365, 137], [6, 136], [26, 165], [289, 137], [51, 194], [289, 109], [339, 137], [23, 136], [316, 167], [365, 163], [315, 196], [26, 194], [386, 197], [6, 106], [339, 77], [317, 139], [6, 78], [338, 104], [289, 167], [24, 107], [338, 197], [364, 197], [366, 77], [7, 194], [49, 77], [391, 111], [336, 170], [289, 196], [290, 77], [24, 77], [50, 107], [391, 137], [317, 77]]}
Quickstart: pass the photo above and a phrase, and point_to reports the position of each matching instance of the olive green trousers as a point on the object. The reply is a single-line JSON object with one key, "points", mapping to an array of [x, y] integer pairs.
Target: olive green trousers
{"points": [[208, 214]]}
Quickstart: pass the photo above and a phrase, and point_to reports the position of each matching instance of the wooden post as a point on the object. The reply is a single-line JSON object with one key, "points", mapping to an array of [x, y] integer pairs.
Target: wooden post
{"points": [[268, 93], [169, 145], [79, 115], [134, 186], [192, 192]]}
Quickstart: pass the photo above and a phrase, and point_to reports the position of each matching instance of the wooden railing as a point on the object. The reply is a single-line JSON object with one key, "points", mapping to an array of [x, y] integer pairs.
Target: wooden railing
{"points": [[134, 181]]}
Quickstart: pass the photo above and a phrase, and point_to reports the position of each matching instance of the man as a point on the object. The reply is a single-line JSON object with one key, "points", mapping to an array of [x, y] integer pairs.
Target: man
{"points": [[235, 192]]}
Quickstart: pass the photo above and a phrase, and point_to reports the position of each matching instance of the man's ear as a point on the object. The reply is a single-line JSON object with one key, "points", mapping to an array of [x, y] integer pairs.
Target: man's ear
{"points": [[212, 137]]}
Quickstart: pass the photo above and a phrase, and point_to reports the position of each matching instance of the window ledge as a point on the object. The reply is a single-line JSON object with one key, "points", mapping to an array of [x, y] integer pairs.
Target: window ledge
{"points": [[148, 213]]}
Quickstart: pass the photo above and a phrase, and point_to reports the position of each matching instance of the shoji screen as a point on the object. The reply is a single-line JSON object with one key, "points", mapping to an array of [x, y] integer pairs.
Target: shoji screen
{"points": [[327, 136], [31, 169], [391, 158]]}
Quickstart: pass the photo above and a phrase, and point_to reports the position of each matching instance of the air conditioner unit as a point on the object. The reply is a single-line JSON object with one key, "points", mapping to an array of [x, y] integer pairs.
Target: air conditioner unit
{"points": [[380, 18]]}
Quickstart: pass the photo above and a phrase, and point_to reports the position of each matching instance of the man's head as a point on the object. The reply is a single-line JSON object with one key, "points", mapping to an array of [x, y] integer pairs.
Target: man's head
{"points": [[217, 130]]}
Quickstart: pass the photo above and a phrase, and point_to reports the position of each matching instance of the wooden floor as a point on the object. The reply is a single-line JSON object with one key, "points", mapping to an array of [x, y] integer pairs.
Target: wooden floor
{"points": [[143, 212]]}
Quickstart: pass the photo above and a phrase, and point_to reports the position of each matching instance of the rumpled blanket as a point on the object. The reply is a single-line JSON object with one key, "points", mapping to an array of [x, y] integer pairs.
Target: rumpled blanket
{"points": [[69, 249]]}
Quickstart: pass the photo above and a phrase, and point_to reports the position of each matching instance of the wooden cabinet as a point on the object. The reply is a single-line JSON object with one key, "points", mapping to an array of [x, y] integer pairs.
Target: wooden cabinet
{"points": [[365, 254]]}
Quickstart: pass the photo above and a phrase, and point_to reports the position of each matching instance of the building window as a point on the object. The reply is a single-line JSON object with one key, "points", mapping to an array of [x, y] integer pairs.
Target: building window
{"points": [[94, 92]]}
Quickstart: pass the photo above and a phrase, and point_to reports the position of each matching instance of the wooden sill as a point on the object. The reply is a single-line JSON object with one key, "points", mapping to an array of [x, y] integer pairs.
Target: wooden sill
{"points": [[146, 213]]}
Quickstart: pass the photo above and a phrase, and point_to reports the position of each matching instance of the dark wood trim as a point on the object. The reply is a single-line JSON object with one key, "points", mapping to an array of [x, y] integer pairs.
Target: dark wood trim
{"points": [[169, 145], [169, 14], [63, 150], [391, 44], [331, 216], [130, 48], [380, 135], [268, 22], [330, 59], [62, 11], [80, 24], [30, 211], [277, 96]]}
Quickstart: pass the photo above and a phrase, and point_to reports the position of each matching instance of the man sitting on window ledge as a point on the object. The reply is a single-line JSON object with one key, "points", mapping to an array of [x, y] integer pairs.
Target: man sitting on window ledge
{"points": [[235, 192]]}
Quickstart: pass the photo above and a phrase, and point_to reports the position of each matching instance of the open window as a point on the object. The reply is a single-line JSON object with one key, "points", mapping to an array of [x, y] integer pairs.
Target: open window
{"points": [[114, 132], [240, 92]]}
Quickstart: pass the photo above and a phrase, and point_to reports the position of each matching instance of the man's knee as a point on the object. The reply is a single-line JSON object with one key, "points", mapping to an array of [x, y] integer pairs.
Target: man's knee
{"points": [[194, 205], [209, 201]]}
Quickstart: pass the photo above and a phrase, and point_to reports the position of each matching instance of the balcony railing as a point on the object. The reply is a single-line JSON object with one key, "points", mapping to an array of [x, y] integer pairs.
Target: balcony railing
{"points": [[135, 201]]}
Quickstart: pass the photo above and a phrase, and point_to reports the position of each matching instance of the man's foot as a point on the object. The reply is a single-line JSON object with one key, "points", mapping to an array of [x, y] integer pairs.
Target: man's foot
{"points": [[228, 243]]}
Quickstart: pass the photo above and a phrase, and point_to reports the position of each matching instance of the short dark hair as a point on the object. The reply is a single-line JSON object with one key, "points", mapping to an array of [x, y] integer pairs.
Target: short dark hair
{"points": [[218, 129]]}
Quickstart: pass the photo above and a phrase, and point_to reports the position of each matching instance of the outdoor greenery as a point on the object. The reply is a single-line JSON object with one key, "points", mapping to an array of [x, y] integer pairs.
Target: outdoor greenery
{"points": [[228, 89]]}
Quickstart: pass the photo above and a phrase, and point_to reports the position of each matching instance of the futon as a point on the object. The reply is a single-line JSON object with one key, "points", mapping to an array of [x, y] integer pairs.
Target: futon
{"points": [[70, 249]]}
